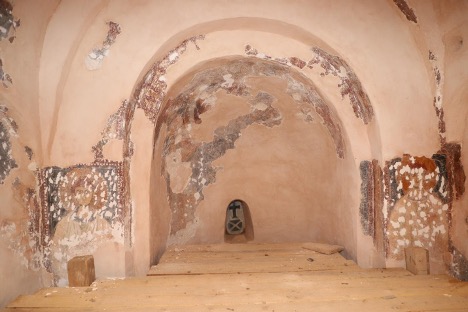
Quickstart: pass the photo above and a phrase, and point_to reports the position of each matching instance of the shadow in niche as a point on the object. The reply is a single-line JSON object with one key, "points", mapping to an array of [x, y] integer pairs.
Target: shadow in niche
{"points": [[238, 226]]}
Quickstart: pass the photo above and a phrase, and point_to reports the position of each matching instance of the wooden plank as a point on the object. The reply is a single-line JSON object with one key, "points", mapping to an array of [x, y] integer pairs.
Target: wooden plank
{"points": [[245, 258], [323, 287], [342, 287]]}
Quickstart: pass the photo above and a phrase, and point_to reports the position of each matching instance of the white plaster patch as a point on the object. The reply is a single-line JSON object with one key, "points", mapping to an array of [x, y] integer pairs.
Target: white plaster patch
{"points": [[228, 81]]}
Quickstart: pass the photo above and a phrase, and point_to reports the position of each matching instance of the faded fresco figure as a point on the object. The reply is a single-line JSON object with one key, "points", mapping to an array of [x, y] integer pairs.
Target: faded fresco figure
{"points": [[84, 192], [419, 218]]}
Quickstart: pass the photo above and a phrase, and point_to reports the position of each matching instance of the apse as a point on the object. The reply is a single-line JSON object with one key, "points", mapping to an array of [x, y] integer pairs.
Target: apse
{"points": [[240, 127]]}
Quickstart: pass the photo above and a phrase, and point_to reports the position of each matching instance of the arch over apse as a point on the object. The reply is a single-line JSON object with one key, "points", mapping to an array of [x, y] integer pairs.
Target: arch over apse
{"points": [[151, 90]]}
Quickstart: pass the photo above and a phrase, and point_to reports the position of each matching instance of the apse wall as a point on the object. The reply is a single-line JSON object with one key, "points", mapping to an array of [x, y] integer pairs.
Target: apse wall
{"points": [[85, 87], [250, 129]]}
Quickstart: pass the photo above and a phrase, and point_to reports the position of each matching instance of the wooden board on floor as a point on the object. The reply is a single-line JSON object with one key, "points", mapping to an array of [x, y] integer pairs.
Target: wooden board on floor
{"points": [[246, 258], [344, 288]]}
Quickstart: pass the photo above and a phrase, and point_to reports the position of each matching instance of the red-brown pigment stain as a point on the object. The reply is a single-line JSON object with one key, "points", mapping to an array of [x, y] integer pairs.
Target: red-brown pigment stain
{"points": [[406, 10]]}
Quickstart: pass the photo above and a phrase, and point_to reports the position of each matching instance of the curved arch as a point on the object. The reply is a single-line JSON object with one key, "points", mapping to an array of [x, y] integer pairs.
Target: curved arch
{"points": [[188, 164], [151, 88], [55, 77]]}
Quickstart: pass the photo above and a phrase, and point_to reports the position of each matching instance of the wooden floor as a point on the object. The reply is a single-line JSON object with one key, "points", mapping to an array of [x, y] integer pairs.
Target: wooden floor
{"points": [[256, 277]]}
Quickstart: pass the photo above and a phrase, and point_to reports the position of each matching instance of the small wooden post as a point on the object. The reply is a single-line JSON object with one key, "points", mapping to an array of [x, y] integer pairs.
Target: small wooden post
{"points": [[417, 260], [81, 271]]}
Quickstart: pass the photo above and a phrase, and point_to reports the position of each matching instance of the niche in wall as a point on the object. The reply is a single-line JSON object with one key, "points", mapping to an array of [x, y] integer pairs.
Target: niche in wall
{"points": [[238, 223]]}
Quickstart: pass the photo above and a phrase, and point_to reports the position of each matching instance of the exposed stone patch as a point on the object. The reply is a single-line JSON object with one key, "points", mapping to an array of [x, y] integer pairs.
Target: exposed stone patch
{"points": [[4, 77], [350, 83], [95, 58], [8, 24], [406, 10], [150, 94]]}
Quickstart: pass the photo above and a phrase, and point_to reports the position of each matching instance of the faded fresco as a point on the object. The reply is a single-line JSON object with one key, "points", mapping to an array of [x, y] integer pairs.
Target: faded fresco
{"points": [[7, 129], [420, 216], [417, 198], [82, 207]]}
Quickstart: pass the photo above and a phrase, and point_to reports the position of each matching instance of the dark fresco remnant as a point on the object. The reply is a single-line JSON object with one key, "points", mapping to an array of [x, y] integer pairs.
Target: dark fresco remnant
{"points": [[418, 194], [350, 84], [101, 181], [406, 10], [199, 96], [366, 208], [8, 24], [7, 163]]}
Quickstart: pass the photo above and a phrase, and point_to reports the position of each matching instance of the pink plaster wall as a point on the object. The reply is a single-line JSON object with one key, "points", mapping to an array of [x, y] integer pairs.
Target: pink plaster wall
{"points": [[62, 109]]}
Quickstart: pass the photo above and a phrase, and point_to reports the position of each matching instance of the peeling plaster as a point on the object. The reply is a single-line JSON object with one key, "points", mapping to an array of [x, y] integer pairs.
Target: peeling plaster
{"points": [[350, 83], [81, 208], [4, 77], [198, 156], [8, 128], [8, 24], [366, 208], [438, 97], [150, 94], [420, 216], [115, 129], [95, 58], [187, 164], [406, 10], [417, 206], [459, 267]]}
